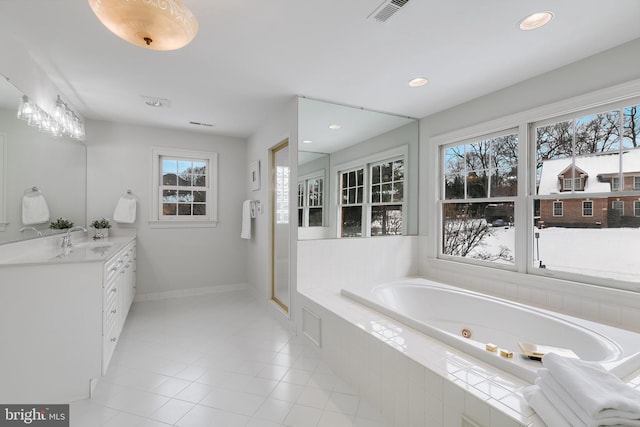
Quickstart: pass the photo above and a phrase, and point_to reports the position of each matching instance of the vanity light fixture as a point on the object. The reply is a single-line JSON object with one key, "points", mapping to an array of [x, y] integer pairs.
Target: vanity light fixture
{"points": [[334, 126], [307, 141], [535, 21], [152, 24], [418, 81], [63, 122]]}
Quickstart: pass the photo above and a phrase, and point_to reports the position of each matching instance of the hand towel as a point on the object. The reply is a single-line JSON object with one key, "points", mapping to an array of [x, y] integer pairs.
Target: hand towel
{"points": [[600, 393], [34, 209], [543, 407], [246, 220], [125, 211], [566, 404]]}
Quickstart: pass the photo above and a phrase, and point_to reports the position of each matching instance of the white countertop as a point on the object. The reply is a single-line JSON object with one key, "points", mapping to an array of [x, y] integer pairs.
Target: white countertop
{"points": [[48, 251]]}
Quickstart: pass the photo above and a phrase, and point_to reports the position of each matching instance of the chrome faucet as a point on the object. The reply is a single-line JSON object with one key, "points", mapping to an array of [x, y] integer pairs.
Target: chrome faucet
{"points": [[66, 240], [31, 228]]}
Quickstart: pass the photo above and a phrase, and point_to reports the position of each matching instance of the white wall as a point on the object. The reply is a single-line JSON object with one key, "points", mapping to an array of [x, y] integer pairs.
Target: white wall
{"points": [[175, 259], [277, 129]]}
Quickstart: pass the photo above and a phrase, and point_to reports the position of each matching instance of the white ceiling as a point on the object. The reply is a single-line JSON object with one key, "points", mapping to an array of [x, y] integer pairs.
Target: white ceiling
{"points": [[251, 57]]}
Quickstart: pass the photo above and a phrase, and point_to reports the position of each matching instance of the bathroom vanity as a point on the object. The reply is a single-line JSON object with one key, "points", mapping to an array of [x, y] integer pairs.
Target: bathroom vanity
{"points": [[61, 314]]}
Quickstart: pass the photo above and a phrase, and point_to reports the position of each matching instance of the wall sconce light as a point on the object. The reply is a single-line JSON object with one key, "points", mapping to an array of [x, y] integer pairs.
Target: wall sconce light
{"points": [[63, 122]]}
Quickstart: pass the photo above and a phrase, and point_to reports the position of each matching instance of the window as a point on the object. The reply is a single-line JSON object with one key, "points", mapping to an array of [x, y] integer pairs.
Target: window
{"points": [[557, 209], [387, 195], [618, 205], [615, 184], [570, 161], [372, 195], [311, 202], [352, 202], [184, 187], [480, 184]]}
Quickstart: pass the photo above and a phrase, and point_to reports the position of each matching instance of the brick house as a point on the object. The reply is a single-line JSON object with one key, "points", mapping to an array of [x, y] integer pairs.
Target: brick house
{"points": [[592, 176]]}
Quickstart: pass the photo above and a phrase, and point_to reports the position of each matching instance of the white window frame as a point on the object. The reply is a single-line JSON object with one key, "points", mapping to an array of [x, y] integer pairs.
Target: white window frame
{"points": [[615, 183], [304, 181], [621, 208], [636, 182], [561, 208], [636, 208], [3, 184], [156, 220], [577, 184], [620, 96], [397, 153], [584, 208]]}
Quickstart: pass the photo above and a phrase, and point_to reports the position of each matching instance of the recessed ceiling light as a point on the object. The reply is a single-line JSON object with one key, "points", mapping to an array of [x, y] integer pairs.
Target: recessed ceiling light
{"points": [[335, 126], [307, 141], [155, 102], [535, 21], [418, 81]]}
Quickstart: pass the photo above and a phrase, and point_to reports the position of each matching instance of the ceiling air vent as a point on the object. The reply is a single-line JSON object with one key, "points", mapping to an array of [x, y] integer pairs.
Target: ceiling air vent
{"points": [[386, 10]]}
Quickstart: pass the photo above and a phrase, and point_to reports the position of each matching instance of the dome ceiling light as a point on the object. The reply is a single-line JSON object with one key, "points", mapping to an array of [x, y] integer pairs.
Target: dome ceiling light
{"points": [[152, 24]]}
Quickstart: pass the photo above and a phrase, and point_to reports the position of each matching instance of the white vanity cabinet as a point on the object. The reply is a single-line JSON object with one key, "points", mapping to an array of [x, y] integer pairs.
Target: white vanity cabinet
{"points": [[61, 315], [118, 293]]}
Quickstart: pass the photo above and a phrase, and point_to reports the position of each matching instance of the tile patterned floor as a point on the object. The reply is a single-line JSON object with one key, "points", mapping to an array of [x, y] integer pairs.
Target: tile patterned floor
{"points": [[217, 360]]}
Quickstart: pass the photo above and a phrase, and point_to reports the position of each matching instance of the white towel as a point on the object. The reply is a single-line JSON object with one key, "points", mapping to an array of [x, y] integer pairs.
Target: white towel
{"points": [[34, 209], [246, 220], [125, 211], [568, 406], [543, 407], [601, 394]]}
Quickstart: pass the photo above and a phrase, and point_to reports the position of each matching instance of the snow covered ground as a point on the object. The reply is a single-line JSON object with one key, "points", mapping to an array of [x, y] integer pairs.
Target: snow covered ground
{"points": [[608, 252]]}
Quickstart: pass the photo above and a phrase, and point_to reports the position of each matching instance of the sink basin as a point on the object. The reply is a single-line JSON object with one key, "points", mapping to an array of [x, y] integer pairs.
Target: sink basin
{"points": [[93, 244]]}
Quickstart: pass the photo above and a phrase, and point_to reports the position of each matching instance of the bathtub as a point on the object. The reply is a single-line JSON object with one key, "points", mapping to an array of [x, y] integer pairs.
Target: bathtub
{"points": [[443, 312]]}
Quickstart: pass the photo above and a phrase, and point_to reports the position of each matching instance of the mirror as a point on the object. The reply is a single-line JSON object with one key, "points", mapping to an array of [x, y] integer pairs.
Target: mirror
{"points": [[57, 166], [335, 139]]}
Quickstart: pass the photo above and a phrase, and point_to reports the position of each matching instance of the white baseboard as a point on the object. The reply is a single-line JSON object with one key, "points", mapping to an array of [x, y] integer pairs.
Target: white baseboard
{"points": [[154, 296]]}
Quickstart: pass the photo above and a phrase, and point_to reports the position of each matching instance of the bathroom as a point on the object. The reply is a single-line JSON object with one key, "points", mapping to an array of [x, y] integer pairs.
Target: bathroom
{"points": [[181, 263]]}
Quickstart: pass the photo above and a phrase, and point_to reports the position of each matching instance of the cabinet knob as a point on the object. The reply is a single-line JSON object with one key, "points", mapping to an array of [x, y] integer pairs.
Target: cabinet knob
{"points": [[114, 311], [114, 290], [113, 339]]}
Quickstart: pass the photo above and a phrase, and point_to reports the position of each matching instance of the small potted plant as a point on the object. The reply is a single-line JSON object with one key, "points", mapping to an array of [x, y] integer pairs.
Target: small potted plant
{"points": [[101, 227], [61, 224]]}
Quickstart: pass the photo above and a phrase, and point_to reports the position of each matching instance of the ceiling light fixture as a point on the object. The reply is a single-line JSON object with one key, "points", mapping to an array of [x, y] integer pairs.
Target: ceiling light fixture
{"points": [[307, 141], [152, 24], [335, 126], [535, 21], [63, 122], [418, 81]]}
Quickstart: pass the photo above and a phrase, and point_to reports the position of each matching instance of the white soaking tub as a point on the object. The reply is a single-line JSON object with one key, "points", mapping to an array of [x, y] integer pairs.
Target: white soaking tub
{"points": [[444, 312]]}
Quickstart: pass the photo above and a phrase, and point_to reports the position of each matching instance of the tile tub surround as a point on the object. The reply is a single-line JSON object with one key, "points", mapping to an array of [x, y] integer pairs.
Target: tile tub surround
{"points": [[218, 360], [413, 379]]}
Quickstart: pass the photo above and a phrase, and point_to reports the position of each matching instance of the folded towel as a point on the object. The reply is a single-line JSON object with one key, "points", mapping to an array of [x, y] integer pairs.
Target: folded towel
{"points": [[543, 407], [601, 394], [34, 209], [246, 220], [568, 406], [125, 211]]}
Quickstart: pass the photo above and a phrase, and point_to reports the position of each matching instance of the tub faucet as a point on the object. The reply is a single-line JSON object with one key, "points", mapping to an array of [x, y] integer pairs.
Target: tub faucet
{"points": [[31, 228], [66, 240]]}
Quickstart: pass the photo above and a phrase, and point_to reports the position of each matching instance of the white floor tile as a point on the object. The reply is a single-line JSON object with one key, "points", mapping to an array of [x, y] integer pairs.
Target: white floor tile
{"points": [[172, 411], [233, 401], [274, 410], [303, 416], [217, 360]]}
